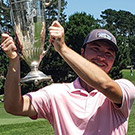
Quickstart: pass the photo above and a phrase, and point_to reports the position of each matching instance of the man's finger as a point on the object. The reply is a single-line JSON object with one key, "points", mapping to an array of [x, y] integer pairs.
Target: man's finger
{"points": [[56, 24], [7, 40], [4, 35], [54, 28]]}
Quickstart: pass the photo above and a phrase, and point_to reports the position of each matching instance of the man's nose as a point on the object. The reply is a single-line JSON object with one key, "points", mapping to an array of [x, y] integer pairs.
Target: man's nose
{"points": [[101, 56]]}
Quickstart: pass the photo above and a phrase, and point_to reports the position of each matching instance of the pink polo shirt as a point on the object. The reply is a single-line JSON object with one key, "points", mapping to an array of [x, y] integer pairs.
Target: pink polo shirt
{"points": [[73, 111]]}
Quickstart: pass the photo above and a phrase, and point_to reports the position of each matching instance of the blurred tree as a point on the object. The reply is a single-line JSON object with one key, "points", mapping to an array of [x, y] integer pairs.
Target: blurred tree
{"points": [[78, 26], [131, 40]]}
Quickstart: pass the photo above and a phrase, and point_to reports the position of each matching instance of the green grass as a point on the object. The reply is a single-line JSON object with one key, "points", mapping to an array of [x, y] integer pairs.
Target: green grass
{"points": [[14, 125], [27, 128], [131, 124], [6, 118], [126, 74]]}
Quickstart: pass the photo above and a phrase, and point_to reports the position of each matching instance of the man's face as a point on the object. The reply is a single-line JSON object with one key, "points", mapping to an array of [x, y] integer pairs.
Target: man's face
{"points": [[100, 53]]}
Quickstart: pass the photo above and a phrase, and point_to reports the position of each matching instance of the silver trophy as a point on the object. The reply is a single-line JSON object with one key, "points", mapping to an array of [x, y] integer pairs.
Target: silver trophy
{"points": [[28, 19]]}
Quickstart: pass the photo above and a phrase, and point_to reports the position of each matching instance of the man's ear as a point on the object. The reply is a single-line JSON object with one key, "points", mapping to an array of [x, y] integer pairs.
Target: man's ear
{"points": [[82, 51]]}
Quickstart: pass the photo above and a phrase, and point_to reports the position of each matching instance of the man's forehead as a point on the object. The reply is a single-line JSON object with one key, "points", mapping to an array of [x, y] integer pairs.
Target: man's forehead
{"points": [[101, 43]]}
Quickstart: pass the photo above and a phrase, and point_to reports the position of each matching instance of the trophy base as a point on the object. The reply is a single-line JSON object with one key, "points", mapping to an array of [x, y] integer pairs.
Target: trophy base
{"points": [[35, 76]]}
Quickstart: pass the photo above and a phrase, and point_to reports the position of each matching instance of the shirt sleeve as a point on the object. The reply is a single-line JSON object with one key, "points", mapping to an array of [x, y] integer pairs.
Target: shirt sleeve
{"points": [[41, 102], [128, 91]]}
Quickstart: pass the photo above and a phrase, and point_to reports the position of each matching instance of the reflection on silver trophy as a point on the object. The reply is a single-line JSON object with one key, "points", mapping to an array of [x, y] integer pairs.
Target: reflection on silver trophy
{"points": [[28, 20]]}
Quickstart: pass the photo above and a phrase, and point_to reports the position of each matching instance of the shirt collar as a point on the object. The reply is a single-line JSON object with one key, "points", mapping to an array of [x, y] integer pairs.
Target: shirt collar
{"points": [[77, 87]]}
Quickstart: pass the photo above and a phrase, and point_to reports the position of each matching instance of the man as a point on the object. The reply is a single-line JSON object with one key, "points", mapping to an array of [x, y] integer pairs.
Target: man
{"points": [[93, 104]]}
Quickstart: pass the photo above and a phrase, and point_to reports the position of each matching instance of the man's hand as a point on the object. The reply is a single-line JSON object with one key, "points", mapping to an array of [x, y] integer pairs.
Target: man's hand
{"points": [[8, 46], [57, 36]]}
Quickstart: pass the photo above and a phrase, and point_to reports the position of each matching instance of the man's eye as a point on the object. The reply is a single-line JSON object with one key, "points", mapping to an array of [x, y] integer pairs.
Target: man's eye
{"points": [[109, 54], [95, 49]]}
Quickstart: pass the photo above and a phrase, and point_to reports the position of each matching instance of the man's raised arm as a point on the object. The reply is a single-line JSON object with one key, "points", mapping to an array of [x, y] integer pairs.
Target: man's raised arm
{"points": [[14, 103]]}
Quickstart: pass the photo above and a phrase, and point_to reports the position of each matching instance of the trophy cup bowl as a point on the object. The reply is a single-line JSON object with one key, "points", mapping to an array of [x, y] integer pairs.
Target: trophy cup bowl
{"points": [[28, 20]]}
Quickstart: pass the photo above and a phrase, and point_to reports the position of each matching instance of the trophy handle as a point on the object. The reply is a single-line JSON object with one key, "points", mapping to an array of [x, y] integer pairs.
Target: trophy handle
{"points": [[46, 4], [46, 51]]}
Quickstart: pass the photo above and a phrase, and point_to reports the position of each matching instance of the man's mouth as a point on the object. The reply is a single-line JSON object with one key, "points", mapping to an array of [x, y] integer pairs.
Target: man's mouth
{"points": [[99, 64]]}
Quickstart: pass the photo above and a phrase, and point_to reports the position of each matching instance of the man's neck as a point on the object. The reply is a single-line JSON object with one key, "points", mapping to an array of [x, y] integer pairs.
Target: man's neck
{"points": [[86, 86]]}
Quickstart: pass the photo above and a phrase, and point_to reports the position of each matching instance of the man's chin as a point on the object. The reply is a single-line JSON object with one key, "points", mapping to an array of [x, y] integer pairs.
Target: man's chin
{"points": [[105, 70]]}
